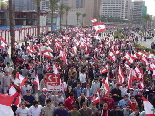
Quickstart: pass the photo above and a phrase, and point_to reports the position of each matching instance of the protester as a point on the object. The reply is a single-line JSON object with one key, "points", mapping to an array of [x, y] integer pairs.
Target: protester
{"points": [[61, 111], [35, 109], [87, 66], [49, 109]]}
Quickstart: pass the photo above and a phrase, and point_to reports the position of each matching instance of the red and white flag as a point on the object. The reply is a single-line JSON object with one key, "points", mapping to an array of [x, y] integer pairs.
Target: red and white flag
{"points": [[148, 107], [112, 56], [120, 75], [3, 43], [48, 55], [5, 105], [63, 56], [141, 54], [104, 70], [19, 79], [96, 97], [151, 56], [36, 82], [130, 80], [30, 49], [99, 27], [94, 20], [106, 86], [138, 70], [45, 49], [144, 59], [128, 58]]}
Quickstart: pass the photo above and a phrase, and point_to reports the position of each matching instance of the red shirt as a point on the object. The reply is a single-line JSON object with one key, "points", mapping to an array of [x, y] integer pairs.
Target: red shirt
{"points": [[109, 101], [69, 102], [132, 105]]}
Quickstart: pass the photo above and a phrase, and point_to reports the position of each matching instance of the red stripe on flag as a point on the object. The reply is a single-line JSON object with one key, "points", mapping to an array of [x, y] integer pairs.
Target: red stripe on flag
{"points": [[6, 99]]}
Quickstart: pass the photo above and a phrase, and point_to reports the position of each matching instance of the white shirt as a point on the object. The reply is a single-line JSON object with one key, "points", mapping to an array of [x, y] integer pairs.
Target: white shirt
{"points": [[82, 77], [35, 111], [22, 112]]}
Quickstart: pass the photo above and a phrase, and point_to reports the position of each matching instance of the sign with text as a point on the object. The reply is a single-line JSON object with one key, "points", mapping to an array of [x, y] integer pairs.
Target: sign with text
{"points": [[53, 81]]}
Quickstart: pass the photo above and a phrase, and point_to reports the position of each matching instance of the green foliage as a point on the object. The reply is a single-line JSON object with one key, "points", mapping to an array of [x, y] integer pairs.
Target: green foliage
{"points": [[119, 35], [140, 47], [67, 8]]}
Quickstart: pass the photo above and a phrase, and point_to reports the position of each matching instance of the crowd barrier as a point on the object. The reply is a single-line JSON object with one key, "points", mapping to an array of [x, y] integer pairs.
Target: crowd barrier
{"points": [[20, 33]]}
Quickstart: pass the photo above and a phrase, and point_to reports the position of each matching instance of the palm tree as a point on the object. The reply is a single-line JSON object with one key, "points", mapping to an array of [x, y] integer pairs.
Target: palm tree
{"points": [[78, 15], [83, 16], [61, 12], [53, 6], [38, 16], [146, 19], [12, 23], [67, 8]]}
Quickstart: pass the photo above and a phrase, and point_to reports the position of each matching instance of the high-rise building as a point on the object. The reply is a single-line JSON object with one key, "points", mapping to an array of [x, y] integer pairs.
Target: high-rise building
{"points": [[138, 10], [44, 5], [116, 8], [24, 5]]}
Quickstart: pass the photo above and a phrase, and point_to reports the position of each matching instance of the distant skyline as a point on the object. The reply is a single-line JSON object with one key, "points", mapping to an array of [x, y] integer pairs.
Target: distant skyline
{"points": [[150, 6]]}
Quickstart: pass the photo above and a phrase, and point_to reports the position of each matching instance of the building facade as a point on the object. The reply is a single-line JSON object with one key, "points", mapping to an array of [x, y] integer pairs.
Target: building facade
{"points": [[24, 5], [116, 8], [138, 11]]}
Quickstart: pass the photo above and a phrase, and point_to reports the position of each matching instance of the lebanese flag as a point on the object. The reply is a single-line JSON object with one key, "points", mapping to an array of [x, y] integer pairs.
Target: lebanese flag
{"points": [[120, 75], [127, 66], [96, 97], [130, 80], [145, 60], [134, 56], [19, 79], [94, 20], [30, 49], [5, 105], [141, 54], [17, 98], [3, 43], [48, 55], [36, 82], [152, 66], [104, 70], [106, 86], [63, 56], [151, 56], [128, 58], [138, 70], [148, 107], [99, 27], [74, 49], [112, 56], [45, 49]]}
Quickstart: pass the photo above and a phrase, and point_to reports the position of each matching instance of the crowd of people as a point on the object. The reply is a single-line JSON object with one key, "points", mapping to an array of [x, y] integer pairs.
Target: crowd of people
{"points": [[101, 75]]}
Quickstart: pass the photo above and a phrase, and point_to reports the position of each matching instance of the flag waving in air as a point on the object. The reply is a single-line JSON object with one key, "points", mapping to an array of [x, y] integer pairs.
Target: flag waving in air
{"points": [[5, 105], [148, 107], [99, 27], [3, 43], [94, 20]]}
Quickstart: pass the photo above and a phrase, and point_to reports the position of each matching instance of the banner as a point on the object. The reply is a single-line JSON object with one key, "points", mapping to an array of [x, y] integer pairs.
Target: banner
{"points": [[53, 82]]}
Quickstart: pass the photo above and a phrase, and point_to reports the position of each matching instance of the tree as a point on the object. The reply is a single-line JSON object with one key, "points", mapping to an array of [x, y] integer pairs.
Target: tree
{"points": [[61, 12], [83, 16], [53, 6], [146, 19], [67, 8], [12, 23], [78, 15], [38, 16]]}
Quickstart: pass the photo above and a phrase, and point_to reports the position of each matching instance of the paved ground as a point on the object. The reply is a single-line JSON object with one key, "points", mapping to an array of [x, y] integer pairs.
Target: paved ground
{"points": [[146, 43]]}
